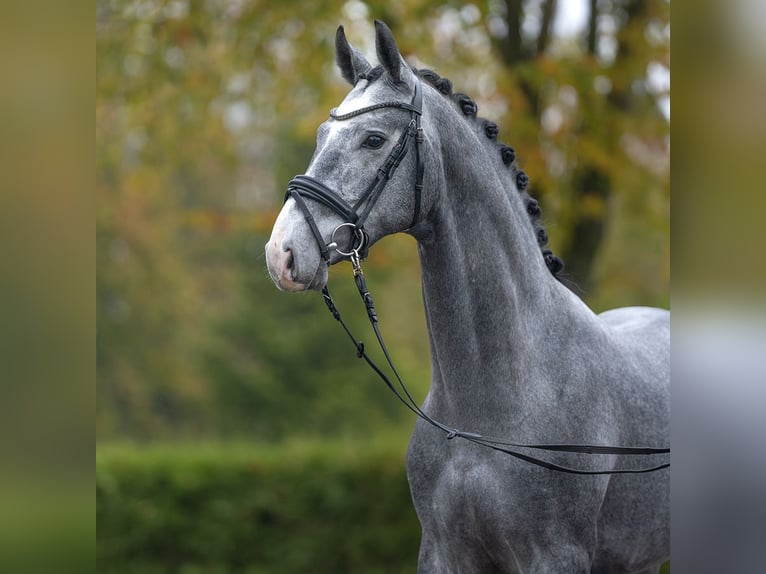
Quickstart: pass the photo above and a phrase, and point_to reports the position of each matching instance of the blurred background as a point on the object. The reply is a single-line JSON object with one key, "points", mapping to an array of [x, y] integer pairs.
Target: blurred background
{"points": [[236, 430]]}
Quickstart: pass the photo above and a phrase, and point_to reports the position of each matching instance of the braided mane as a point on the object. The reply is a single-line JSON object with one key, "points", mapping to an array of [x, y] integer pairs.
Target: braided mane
{"points": [[469, 108]]}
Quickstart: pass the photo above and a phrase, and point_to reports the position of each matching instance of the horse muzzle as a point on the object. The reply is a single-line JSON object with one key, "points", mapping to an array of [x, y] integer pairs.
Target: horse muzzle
{"points": [[293, 260]]}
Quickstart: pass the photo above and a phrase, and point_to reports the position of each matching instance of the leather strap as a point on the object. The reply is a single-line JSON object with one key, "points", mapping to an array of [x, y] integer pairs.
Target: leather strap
{"points": [[323, 250]]}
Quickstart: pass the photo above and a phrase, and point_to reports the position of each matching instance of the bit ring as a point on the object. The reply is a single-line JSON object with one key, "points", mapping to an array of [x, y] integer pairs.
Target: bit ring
{"points": [[358, 234]]}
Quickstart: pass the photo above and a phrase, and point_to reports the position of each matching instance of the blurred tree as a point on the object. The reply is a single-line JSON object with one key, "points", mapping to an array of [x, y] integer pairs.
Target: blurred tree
{"points": [[192, 335], [584, 113], [607, 87]]}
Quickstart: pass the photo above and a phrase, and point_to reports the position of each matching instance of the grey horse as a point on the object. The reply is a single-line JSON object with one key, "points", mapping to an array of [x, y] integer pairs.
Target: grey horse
{"points": [[514, 352]]}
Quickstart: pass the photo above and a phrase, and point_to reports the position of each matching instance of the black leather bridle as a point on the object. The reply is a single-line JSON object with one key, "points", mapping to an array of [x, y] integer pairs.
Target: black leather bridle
{"points": [[303, 187]]}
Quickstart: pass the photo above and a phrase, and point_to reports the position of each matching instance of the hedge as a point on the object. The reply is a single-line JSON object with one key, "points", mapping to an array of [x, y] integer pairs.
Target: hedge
{"points": [[251, 509], [310, 507]]}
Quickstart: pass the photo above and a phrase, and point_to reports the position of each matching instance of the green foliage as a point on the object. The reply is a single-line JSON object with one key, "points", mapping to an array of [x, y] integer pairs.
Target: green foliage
{"points": [[310, 507], [295, 507]]}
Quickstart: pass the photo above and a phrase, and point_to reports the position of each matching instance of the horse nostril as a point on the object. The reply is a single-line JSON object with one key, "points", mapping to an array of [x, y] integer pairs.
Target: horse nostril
{"points": [[290, 259]]}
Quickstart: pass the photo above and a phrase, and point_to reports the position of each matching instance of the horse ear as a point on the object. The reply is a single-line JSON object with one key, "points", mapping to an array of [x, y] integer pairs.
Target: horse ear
{"points": [[351, 62], [388, 53]]}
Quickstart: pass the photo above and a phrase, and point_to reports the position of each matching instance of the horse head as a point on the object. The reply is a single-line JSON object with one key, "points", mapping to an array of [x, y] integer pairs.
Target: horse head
{"points": [[365, 179]]}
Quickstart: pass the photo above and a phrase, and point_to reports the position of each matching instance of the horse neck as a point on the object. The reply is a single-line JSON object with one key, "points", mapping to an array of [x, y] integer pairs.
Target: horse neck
{"points": [[491, 303]]}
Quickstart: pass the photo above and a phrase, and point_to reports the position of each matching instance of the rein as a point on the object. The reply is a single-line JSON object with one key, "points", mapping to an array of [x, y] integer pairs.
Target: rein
{"points": [[303, 187], [405, 397]]}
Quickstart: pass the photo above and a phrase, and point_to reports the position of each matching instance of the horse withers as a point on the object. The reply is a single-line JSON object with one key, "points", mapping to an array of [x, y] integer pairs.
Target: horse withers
{"points": [[514, 352]]}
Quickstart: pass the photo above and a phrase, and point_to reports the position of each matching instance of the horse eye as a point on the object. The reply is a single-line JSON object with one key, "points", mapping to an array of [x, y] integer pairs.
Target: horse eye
{"points": [[374, 141]]}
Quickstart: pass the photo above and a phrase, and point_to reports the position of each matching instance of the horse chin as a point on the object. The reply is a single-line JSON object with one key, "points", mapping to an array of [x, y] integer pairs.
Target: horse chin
{"points": [[319, 280]]}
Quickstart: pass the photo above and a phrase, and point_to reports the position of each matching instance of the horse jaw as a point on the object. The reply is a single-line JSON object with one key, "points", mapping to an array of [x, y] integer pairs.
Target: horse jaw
{"points": [[292, 257]]}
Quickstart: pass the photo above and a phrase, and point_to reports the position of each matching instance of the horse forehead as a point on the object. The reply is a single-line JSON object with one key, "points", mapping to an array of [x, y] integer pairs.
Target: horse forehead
{"points": [[361, 96], [357, 98]]}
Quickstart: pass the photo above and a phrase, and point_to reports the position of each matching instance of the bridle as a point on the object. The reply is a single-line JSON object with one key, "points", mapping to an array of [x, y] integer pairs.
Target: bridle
{"points": [[303, 187]]}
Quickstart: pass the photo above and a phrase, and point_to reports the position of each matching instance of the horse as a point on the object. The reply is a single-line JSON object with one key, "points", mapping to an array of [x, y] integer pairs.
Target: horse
{"points": [[514, 352]]}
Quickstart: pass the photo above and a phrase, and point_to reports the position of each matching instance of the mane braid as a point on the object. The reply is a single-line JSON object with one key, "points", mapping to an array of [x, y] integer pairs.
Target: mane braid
{"points": [[469, 108]]}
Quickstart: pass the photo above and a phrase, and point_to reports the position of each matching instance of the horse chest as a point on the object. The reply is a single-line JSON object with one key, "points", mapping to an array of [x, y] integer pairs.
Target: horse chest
{"points": [[457, 488], [473, 503]]}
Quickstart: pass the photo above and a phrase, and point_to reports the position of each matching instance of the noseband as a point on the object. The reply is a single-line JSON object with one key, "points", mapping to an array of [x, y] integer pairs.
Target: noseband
{"points": [[303, 187]]}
